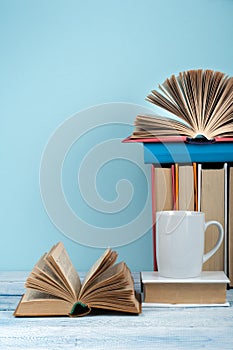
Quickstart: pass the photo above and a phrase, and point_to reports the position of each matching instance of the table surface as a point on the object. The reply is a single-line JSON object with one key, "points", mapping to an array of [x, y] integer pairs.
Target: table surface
{"points": [[156, 328]]}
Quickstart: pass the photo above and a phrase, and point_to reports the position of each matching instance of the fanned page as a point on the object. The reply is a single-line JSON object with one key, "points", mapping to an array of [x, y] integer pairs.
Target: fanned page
{"points": [[43, 279], [107, 259], [55, 274], [109, 280], [113, 289], [201, 99], [59, 261], [157, 126]]}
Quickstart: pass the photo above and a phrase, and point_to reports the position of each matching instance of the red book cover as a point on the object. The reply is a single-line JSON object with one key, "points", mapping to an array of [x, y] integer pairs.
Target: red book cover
{"points": [[173, 139]]}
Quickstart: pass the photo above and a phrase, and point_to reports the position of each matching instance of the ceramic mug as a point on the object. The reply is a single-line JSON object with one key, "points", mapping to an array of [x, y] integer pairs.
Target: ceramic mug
{"points": [[180, 240]]}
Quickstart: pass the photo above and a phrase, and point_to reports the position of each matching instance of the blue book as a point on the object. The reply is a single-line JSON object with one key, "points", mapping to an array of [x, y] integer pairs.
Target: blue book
{"points": [[169, 150], [181, 152]]}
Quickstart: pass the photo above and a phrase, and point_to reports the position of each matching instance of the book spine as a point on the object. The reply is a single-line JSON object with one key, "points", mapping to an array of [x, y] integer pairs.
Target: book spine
{"points": [[195, 185], [173, 186], [176, 198], [153, 217]]}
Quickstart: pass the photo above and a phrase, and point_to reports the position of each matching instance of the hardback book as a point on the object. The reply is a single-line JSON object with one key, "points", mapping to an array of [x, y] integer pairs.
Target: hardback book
{"points": [[213, 203], [202, 102], [207, 289], [166, 152], [162, 188], [186, 197], [54, 288], [162, 195]]}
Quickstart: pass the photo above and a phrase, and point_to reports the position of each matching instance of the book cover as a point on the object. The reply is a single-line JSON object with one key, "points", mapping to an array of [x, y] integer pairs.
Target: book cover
{"points": [[186, 187], [212, 203], [162, 196]]}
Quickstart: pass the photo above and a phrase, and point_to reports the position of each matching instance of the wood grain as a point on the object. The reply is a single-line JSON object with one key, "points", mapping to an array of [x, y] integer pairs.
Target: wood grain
{"points": [[156, 328]]}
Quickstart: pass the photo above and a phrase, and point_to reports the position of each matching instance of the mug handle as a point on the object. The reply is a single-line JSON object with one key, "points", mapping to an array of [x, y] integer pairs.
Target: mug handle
{"points": [[220, 239]]}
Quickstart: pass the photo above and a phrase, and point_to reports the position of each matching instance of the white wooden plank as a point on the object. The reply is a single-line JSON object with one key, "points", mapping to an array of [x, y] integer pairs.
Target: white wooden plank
{"points": [[9, 303], [12, 288], [155, 338], [155, 328], [13, 276]]}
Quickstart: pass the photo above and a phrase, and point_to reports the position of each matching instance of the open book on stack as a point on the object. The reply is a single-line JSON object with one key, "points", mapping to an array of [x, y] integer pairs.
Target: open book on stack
{"points": [[53, 288], [192, 153], [202, 101]]}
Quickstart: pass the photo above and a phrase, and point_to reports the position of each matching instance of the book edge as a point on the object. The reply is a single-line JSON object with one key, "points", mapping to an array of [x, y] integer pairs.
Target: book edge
{"points": [[205, 277]]}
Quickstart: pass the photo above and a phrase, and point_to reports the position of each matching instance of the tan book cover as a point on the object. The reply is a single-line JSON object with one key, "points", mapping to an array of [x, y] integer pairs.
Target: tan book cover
{"points": [[186, 187], [212, 201], [163, 196], [53, 288]]}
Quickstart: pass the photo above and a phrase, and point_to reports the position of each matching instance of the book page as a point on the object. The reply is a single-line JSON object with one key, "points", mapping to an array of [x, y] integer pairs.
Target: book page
{"points": [[37, 284], [32, 294], [44, 272], [202, 99], [103, 263], [112, 276], [60, 260], [113, 289], [38, 280]]}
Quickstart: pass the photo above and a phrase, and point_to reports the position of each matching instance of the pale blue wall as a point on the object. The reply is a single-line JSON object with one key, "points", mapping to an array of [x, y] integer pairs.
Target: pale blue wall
{"points": [[58, 57]]}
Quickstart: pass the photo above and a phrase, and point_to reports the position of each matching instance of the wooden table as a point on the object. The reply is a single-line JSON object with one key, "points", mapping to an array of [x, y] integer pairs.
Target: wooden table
{"points": [[156, 328]]}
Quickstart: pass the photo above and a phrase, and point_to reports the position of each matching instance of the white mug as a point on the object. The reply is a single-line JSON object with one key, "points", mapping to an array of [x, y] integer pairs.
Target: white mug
{"points": [[180, 240]]}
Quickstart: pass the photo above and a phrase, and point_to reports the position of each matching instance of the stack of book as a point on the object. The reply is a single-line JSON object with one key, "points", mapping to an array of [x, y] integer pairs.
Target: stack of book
{"points": [[192, 154]]}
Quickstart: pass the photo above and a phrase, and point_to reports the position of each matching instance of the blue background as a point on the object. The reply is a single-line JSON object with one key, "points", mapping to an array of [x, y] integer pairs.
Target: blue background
{"points": [[60, 57]]}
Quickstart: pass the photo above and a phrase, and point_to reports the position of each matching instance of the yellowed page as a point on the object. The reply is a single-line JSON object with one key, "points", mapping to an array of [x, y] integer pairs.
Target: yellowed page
{"points": [[59, 259], [103, 263]]}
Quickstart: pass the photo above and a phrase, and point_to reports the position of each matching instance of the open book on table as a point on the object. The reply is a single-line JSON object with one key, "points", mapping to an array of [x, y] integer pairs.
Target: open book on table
{"points": [[53, 288]]}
